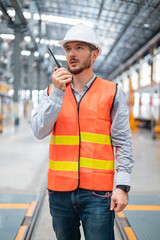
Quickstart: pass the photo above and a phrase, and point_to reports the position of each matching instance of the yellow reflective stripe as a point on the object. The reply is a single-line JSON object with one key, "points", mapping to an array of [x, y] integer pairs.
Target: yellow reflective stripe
{"points": [[95, 138], [96, 163], [85, 137], [64, 140], [84, 162], [63, 166]]}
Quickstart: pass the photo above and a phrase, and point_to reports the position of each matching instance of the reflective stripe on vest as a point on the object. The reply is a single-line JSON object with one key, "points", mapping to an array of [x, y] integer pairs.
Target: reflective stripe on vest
{"points": [[81, 153], [85, 137], [64, 140], [84, 162]]}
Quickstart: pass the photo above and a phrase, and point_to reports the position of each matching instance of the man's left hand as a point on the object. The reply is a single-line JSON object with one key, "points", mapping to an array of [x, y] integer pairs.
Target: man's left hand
{"points": [[119, 200]]}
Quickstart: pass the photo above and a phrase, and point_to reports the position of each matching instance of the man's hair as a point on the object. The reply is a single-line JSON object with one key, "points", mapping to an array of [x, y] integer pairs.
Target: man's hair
{"points": [[92, 47]]}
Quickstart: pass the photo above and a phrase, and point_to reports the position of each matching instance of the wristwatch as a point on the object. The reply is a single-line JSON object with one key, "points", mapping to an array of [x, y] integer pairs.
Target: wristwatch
{"points": [[125, 188]]}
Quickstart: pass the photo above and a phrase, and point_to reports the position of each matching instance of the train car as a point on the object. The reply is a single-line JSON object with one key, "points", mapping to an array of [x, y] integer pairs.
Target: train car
{"points": [[147, 104]]}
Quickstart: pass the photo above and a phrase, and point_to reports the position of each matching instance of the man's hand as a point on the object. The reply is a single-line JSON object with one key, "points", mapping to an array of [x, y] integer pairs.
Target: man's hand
{"points": [[119, 200], [61, 77]]}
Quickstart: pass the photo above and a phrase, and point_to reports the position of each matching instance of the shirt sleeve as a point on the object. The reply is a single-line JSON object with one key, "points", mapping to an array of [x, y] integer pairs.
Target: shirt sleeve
{"points": [[121, 138], [45, 115]]}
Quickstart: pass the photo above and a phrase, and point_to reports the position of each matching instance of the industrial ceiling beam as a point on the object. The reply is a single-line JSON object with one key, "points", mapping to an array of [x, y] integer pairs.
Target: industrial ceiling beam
{"points": [[18, 8], [38, 7], [127, 31], [137, 55], [4, 11], [100, 9], [114, 69]]}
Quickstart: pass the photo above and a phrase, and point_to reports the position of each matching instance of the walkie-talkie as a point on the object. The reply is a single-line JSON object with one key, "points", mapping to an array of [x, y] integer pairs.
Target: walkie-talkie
{"points": [[57, 63]]}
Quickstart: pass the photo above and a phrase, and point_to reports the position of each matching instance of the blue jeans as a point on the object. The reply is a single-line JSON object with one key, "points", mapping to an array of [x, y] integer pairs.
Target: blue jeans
{"points": [[91, 208]]}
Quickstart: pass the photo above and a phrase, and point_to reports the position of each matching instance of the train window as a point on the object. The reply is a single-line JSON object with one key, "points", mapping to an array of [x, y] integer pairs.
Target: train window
{"points": [[145, 74], [136, 108], [134, 79], [156, 71], [125, 84], [145, 98]]}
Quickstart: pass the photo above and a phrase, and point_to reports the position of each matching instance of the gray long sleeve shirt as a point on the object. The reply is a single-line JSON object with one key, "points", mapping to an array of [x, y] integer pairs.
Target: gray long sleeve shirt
{"points": [[45, 116]]}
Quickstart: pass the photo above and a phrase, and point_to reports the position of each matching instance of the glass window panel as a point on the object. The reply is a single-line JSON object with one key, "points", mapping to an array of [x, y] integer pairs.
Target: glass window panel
{"points": [[156, 70], [145, 74], [134, 80]]}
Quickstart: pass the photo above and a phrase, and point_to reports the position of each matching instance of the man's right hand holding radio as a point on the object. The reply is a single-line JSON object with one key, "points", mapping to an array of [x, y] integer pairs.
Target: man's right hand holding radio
{"points": [[61, 77]]}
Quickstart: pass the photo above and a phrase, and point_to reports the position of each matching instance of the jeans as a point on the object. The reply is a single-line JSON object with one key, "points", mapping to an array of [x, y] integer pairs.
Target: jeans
{"points": [[91, 208]]}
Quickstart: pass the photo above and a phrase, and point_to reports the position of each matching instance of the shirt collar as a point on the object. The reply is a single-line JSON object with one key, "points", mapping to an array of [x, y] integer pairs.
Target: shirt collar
{"points": [[88, 84]]}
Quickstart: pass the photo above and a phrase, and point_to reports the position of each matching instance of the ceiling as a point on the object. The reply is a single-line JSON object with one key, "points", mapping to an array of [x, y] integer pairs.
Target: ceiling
{"points": [[123, 26]]}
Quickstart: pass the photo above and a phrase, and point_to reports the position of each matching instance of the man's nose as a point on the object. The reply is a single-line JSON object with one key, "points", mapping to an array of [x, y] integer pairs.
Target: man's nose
{"points": [[72, 52]]}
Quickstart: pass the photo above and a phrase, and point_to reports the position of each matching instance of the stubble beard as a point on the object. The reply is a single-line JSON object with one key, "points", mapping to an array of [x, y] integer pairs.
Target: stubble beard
{"points": [[85, 65]]}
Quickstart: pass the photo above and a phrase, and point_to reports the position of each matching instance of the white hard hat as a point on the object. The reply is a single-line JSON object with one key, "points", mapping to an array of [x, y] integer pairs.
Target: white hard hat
{"points": [[81, 33]]}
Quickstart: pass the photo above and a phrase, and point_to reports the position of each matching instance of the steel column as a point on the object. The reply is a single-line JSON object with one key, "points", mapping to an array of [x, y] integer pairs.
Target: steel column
{"points": [[17, 69]]}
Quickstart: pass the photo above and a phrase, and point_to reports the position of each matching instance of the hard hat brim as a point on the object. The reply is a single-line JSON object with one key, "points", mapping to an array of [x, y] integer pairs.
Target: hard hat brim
{"points": [[63, 42]]}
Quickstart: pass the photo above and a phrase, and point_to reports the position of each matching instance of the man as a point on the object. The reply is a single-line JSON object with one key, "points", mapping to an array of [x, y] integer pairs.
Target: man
{"points": [[86, 120]]}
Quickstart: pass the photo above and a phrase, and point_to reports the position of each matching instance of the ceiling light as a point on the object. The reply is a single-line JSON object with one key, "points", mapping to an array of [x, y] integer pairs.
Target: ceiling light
{"points": [[42, 41], [46, 42], [36, 16], [46, 55], [7, 36], [63, 20], [54, 42], [146, 25], [60, 57], [25, 53], [50, 18], [11, 13], [37, 40], [36, 54], [27, 15], [27, 38], [44, 17]]}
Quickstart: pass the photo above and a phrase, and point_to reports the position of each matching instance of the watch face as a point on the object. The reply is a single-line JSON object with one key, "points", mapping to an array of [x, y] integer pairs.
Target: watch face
{"points": [[125, 188]]}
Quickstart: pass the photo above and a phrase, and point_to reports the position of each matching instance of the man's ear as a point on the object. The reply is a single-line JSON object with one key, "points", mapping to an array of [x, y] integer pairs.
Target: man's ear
{"points": [[94, 55]]}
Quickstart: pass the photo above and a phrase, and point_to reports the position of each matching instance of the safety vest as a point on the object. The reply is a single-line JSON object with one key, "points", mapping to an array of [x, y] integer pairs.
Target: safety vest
{"points": [[81, 153]]}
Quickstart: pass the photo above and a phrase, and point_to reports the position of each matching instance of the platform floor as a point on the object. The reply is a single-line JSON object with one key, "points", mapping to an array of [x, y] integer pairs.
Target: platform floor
{"points": [[24, 162], [145, 177]]}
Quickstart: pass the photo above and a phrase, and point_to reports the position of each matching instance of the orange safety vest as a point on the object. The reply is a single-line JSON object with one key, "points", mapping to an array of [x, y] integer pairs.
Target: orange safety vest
{"points": [[81, 153]]}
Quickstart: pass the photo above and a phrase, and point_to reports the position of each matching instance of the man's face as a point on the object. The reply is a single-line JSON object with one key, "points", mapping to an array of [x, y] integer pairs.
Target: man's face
{"points": [[79, 57]]}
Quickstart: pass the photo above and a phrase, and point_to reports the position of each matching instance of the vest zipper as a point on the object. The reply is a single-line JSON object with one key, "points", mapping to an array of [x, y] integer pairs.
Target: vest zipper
{"points": [[79, 148], [79, 140], [79, 130]]}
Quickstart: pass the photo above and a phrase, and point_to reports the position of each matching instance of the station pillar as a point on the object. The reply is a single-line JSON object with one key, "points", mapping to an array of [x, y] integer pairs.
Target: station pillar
{"points": [[17, 73]]}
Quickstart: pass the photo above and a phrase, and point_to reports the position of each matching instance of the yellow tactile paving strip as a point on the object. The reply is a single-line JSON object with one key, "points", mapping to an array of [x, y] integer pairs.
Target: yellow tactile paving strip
{"points": [[130, 233], [21, 232], [31, 209], [14, 205], [143, 207], [121, 215]]}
